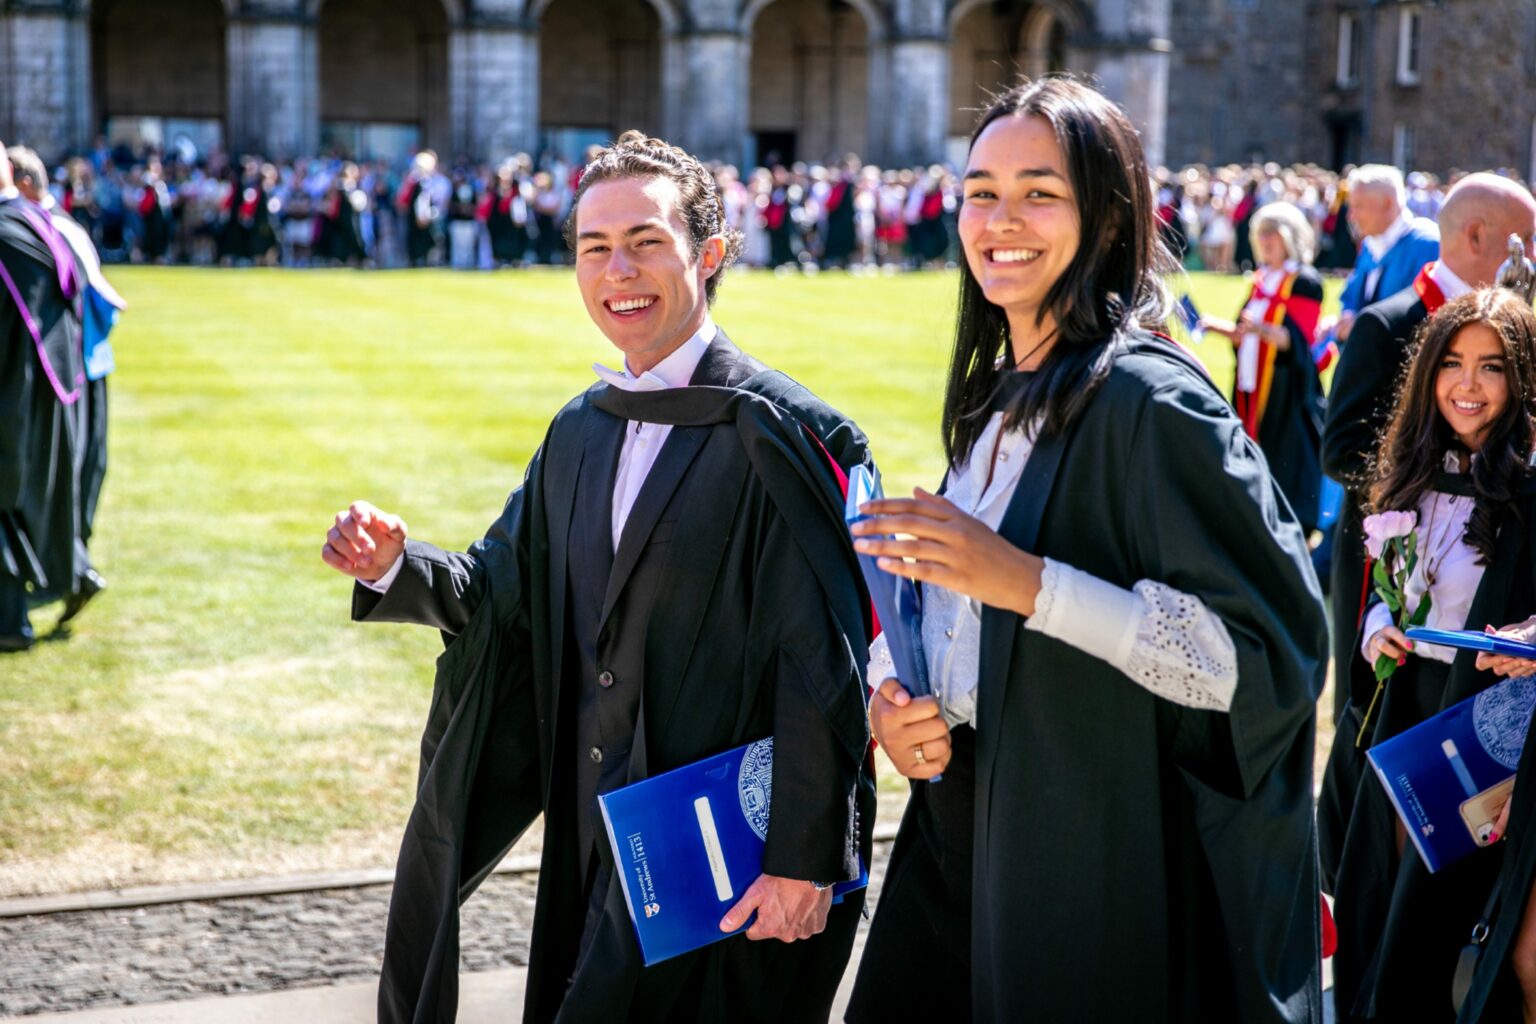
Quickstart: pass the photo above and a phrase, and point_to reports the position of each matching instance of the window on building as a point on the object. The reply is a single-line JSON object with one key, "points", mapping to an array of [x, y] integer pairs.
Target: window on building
{"points": [[1348, 70], [1409, 29], [1403, 146]]}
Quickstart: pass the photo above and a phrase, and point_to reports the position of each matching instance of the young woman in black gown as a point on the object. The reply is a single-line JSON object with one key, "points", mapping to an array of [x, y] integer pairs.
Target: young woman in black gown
{"points": [[1122, 626], [1456, 454]]}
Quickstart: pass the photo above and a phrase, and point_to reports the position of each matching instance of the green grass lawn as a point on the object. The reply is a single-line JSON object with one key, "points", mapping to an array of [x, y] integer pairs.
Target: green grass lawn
{"points": [[214, 712]]}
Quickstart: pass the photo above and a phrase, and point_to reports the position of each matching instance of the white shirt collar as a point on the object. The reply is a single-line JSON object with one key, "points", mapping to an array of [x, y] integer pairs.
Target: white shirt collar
{"points": [[1381, 244], [1451, 286], [7, 194], [675, 371]]}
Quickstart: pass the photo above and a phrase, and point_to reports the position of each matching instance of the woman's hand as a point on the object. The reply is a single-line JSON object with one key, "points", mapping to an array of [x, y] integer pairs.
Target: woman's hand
{"points": [[1503, 664], [1272, 334], [948, 548], [1216, 325], [909, 729], [1390, 642]]}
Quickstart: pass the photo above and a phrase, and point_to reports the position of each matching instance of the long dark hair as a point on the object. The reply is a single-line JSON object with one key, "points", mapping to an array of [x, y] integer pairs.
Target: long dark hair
{"points": [[1112, 285], [1414, 447]]}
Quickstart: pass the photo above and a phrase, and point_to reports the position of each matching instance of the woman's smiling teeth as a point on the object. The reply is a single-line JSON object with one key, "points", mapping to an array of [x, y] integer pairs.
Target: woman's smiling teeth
{"points": [[628, 305], [1470, 408], [1013, 255]]}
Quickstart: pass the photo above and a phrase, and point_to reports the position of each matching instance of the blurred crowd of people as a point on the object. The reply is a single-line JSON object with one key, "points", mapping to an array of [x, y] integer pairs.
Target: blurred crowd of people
{"points": [[167, 207], [1206, 212], [157, 207]]}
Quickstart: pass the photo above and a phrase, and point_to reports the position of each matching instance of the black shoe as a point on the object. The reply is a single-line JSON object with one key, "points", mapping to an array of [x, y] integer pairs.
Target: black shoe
{"points": [[89, 586], [12, 642]]}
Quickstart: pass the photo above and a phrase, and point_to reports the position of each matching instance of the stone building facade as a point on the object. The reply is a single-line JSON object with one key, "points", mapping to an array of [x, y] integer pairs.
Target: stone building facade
{"points": [[1434, 84], [897, 81]]}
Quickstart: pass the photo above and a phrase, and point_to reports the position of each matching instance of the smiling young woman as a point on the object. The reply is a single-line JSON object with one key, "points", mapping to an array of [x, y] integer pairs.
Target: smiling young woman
{"points": [[1123, 633], [1457, 454]]}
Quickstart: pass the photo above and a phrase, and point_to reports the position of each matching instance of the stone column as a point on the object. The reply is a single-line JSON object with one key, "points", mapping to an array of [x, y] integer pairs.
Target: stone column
{"points": [[1136, 77], [909, 122], [45, 81], [1129, 52], [704, 77], [493, 90], [274, 96]]}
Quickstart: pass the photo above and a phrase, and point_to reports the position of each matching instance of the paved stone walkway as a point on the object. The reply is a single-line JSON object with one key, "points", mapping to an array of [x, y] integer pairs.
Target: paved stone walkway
{"points": [[104, 958], [93, 959]]}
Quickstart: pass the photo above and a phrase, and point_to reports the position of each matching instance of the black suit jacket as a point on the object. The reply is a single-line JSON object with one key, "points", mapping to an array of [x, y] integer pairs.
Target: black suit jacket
{"points": [[755, 626], [1359, 407]]}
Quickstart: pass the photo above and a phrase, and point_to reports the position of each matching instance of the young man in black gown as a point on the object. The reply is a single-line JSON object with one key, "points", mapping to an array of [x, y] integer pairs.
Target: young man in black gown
{"points": [[672, 580]]}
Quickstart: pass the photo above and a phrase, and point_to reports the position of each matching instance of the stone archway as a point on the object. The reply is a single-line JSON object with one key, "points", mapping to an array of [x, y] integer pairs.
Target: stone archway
{"points": [[383, 75], [158, 69], [809, 78], [992, 44], [600, 70]]}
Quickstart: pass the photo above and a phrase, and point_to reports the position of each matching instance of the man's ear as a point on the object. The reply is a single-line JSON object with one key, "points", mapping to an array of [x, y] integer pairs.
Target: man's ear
{"points": [[1477, 234], [712, 255]]}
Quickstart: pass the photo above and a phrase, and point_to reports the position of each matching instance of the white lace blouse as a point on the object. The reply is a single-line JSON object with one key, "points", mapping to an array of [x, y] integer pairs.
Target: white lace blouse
{"points": [[1164, 640]]}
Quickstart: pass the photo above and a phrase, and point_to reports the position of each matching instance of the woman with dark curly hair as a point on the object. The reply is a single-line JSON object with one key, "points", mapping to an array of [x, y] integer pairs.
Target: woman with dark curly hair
{"points": [[1457, 456]]}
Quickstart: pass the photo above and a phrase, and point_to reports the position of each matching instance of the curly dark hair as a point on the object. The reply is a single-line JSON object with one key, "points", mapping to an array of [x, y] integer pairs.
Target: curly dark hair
{"points": [[637, 155], [1414, 447]]}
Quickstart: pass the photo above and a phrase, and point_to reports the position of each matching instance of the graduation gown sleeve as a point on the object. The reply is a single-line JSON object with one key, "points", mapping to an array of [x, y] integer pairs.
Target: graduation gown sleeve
{"points": [[1272, 609]]}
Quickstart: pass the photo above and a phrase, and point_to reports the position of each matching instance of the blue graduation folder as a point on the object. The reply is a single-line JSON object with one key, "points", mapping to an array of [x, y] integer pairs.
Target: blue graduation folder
{"points": [[897, 603], [687, 844], [1472, 640], [1449, 776]]}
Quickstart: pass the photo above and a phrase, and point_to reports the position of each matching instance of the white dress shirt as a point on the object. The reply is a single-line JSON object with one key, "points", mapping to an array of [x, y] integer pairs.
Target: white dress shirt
{"points": [[1451, 286], [1166, 641], [1379, 245], [642, 441]]}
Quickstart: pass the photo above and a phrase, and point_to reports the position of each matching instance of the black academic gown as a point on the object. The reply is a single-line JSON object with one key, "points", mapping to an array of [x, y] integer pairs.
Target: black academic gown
{"points": [[1401, 927], [1359, 407], [1136, 860], [1495, 994], [756, 625], [41, 438]]}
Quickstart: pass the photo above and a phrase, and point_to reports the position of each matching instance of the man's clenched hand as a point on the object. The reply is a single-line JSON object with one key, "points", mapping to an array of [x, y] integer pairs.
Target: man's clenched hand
{"points": [[364, 542]]}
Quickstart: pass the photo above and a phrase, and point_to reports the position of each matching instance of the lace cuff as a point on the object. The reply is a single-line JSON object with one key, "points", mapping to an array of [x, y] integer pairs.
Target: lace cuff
{"points": [[881, 667], [1166, 641], [1183, 651]]}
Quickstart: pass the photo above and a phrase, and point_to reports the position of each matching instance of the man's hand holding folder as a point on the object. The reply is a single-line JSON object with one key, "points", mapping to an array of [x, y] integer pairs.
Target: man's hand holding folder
{"points": [[787, 909]]}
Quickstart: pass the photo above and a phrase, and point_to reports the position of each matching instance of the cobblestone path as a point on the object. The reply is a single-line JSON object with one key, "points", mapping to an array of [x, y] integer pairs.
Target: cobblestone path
{"points": [[99, 958], [90, 959]]}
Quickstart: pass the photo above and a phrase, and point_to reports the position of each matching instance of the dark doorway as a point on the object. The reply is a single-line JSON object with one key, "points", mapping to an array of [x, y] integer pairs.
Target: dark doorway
{"points": [[775, 147], [1345, 130]]}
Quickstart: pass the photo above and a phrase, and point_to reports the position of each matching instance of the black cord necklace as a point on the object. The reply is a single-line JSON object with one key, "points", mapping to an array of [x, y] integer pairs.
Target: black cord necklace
{"points": [[1019, 363]]}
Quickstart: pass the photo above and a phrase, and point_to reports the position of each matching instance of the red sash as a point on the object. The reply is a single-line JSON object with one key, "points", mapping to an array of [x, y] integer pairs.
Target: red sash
{"points": [[835, 197], [1429, 292], [1304, 313], [933, 205]]}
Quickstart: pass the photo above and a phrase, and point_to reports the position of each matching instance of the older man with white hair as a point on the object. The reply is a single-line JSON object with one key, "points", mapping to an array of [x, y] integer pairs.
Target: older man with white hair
{"points": [[1394, 244]]}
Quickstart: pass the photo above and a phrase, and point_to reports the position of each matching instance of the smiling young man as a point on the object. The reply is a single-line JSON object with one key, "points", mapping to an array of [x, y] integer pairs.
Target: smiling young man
{"points": [[672, 580]]}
